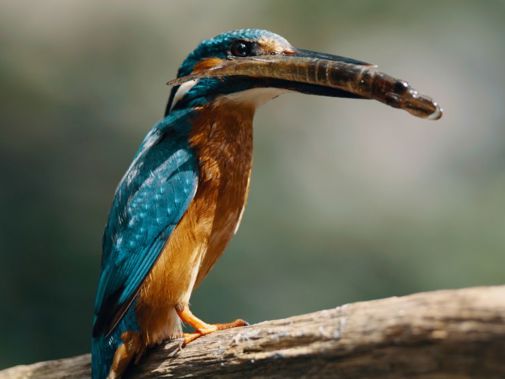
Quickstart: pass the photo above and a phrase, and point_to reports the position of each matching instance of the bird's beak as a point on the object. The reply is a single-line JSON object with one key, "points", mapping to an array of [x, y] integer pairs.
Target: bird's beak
{"points": [[322, 74]]}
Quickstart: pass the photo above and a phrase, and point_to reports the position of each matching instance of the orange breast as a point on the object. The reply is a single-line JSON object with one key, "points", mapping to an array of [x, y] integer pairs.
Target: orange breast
{"points": [[225, 157], [222, 138]]}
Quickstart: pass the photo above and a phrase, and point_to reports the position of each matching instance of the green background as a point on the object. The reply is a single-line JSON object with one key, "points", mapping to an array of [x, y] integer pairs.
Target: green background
{"points": [[350, 200]]}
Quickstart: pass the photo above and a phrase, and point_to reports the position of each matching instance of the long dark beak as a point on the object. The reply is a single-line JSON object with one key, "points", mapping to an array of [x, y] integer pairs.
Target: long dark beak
{"points": [[322, 74]]}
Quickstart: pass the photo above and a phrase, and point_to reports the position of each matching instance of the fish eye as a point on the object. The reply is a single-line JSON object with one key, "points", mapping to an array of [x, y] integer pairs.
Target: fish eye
{"points": [[241, 48]]}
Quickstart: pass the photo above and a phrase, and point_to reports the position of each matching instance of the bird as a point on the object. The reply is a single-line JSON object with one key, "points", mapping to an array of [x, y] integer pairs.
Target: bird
{"points": [[183, 196]]}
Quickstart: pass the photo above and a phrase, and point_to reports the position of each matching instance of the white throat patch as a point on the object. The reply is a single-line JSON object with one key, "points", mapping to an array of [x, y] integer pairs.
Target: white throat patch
{"points": [[253, 96]]}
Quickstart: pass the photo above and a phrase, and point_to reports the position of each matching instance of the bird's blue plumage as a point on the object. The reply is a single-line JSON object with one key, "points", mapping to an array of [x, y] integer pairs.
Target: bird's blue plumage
{"points": [[149, 202]]}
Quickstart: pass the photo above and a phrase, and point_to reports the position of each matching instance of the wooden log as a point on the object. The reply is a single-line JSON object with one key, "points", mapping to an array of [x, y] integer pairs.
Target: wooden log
{"points": [[451, 334]]}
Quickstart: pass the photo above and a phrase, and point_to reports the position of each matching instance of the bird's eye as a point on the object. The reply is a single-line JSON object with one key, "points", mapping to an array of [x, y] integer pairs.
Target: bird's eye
{"points": [[241, 48]]}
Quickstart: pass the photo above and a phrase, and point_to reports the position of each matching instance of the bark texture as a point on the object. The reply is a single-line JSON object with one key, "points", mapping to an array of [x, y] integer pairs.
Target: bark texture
{"points": [[452, 334]]}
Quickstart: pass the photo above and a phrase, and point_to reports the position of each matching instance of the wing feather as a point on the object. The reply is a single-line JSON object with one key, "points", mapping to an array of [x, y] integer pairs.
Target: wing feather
{"points": [[149, 202]]}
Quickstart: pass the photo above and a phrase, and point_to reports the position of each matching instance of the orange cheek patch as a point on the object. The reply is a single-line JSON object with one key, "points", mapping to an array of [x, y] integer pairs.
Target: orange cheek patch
{"points": [[206, 64]]}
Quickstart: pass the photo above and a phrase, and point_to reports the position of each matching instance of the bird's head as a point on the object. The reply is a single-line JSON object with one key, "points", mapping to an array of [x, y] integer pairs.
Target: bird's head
{"points": [[253, 65]]}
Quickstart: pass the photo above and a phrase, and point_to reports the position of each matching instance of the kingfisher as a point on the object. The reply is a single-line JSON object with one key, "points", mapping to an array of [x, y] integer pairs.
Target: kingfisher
{"points": [[182, 198]]}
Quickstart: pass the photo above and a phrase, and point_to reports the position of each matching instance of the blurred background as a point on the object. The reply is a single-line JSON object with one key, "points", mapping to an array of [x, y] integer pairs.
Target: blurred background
{"points": [[350, 200]]}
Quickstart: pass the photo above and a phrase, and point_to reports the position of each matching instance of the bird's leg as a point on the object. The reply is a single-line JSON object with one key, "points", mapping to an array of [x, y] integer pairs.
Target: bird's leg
{"points": [[201, 327], [129, 349]]}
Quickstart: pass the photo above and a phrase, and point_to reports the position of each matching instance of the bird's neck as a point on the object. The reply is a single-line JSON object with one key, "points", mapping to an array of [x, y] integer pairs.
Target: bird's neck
{"points": [[222, 136]]}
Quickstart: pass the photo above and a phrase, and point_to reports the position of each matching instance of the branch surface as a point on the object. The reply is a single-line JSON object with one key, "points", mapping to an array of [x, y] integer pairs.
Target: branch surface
{"points": [[451, 334]]}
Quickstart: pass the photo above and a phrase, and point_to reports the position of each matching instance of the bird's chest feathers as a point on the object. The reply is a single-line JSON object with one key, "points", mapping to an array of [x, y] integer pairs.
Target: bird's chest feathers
{"points": [[222, 139]]}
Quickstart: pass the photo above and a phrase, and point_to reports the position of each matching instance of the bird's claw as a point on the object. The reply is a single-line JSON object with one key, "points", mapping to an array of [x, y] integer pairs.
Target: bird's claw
{"points": [[210, 328]]}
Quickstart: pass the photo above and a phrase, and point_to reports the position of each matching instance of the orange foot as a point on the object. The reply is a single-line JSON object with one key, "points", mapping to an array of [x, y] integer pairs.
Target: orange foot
{"points": [[201, 327], [130, 349]]}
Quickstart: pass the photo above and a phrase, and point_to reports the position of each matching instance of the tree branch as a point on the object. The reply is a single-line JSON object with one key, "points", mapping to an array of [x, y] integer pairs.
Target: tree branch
{"points": [[452, 334]]}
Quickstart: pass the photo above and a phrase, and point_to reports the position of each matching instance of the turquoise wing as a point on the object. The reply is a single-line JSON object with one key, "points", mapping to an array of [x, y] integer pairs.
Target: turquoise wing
{"points": [[149, 202]]}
